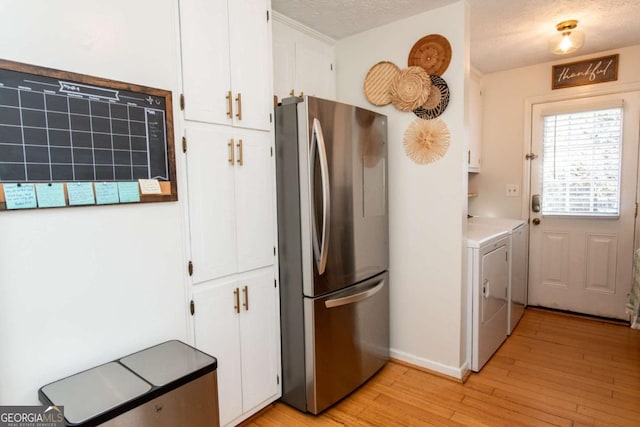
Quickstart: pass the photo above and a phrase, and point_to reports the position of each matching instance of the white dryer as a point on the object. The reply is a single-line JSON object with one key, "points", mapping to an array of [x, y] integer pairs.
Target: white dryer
{"points": [[488, 281], [518, 263]]}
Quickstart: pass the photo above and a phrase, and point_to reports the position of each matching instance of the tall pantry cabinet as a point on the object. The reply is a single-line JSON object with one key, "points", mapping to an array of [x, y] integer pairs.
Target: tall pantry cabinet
{"points": [[228, 149]]}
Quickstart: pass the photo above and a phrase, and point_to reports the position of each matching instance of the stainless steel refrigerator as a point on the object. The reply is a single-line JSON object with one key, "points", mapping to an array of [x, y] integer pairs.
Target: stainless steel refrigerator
{"points": [[331, 167]]}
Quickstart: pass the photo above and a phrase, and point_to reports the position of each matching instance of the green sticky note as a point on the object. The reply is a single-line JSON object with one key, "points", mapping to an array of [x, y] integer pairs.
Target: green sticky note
{"points": [[50, 195], [128, 192], [80, 193], [106, 193], [20, 196]]}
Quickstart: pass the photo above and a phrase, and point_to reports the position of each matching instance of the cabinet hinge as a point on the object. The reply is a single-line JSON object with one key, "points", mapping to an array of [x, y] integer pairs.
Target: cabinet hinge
{"points": [[331, 66], [636, 213], [277, 379], [275, 283], [192, 307], [190, 268], [184, 144], [267, 16], [271, 151], [182, 101], [270, 118], [274, 251]]}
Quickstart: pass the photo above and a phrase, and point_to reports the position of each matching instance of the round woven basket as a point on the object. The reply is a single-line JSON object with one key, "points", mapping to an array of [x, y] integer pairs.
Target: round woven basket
{"points": [[437, 101], [432, 52], [426, 141], [410, 89], [378, 82]]}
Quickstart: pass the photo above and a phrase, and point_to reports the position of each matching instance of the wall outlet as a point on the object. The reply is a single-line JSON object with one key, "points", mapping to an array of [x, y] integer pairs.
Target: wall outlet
{"points": [[513, 190]]}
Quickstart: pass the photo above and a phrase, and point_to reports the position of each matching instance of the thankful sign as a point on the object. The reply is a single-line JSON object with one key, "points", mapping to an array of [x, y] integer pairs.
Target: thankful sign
{"points": [[590, 71]]}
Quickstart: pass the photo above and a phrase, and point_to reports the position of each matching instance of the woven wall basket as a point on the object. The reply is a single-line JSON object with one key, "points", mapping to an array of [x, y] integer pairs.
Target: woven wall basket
{"points": [[426, 141], [377, 83], [410, 89], [432, 52], [437, 101]]}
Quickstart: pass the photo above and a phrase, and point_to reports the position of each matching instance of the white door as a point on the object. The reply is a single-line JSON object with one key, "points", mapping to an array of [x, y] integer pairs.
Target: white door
{"points": [[582, 223], [212, 213], [259, 338], [206, 77], [254, 182], [251, 63], [217, 332]]}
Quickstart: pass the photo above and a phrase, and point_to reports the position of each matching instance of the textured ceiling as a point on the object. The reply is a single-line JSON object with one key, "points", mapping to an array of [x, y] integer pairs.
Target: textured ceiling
{"points": [[519, 27]]}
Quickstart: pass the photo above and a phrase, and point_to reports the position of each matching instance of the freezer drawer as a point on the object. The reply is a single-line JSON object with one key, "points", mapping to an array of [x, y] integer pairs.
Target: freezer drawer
{"points": [[347, 340]]}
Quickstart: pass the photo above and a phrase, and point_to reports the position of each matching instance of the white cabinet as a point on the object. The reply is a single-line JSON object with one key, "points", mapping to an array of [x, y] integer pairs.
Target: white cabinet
{"points": [[303, 61], [475, 122], [231, 200], [236, 321], [226, 62]]}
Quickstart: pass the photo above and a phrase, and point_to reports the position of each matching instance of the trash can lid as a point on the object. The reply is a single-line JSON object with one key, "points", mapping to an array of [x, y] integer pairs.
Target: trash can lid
{"points": [[95, 391], [167, 362]]}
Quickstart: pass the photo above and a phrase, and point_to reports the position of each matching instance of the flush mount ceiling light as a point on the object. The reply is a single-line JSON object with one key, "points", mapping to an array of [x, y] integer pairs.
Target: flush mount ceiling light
{"points": [[568, 39]]}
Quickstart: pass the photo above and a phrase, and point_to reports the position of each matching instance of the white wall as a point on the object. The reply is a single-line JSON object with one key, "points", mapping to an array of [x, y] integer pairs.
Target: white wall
{"points": [[427, 203], [503, 135], [82, 286]]}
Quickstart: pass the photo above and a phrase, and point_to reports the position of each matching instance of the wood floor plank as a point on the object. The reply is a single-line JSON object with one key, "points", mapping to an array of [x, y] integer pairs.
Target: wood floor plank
{"points": [[555, 369]]}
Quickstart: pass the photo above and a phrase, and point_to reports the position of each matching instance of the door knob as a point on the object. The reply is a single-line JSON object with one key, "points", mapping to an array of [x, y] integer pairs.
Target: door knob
{"points": [[536, 221]]}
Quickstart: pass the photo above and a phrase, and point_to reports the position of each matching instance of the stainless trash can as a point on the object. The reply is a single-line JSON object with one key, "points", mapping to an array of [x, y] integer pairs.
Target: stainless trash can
{"points": [[166, 385]]}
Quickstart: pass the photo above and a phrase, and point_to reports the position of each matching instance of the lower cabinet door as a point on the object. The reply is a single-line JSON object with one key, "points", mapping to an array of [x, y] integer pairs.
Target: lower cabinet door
{"points": [[259, 339], [216, 324], [237, 321]]}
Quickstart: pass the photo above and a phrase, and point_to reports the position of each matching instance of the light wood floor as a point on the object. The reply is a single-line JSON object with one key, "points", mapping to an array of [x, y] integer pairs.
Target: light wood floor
{"points": [[554, 370]]}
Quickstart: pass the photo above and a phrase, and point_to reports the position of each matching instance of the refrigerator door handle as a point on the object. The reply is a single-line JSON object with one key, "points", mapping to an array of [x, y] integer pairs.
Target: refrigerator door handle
{"points": [[337, 302], [320, 246]]}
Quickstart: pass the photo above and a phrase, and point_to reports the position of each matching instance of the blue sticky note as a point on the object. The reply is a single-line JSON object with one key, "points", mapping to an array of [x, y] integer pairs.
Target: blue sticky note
{"points": [[80, 193], [50, 195], [128, 192], [20, 196], [106, 193]]}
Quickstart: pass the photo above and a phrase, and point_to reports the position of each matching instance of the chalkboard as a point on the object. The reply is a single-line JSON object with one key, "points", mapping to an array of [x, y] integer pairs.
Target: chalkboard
{"points": [[58, 126]]}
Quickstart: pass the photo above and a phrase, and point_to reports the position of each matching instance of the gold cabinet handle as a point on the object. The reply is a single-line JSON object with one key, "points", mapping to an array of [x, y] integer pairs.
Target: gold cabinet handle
{"points": [[239, 145], [292, 93], [236, 294], [231, 151], [229, 105], [239, 100], [245, 291]]}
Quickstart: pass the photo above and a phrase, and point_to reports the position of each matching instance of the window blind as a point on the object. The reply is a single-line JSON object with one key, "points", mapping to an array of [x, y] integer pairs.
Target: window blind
{"points": [[581, 163]]}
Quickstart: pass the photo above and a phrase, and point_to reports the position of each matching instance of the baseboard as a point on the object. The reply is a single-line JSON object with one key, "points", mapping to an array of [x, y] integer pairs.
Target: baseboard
{"points": [[449, 372]]}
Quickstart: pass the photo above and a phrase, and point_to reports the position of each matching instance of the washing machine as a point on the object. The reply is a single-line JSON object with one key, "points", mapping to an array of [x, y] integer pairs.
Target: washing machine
{"points": [[488, 282], [518, 263]]}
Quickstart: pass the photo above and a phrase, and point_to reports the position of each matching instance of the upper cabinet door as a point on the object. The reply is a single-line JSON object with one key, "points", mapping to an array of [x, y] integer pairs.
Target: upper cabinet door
{"points": [[251, 81], [226, 62], [206, 75]]}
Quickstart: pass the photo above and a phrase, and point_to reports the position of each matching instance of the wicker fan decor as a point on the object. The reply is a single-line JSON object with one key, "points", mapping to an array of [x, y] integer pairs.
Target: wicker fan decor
{"points": [[426, 141], [410, 89]]}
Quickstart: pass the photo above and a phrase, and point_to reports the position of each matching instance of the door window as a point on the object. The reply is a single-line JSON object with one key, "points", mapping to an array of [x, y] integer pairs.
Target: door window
{"points": [[581, 163]]}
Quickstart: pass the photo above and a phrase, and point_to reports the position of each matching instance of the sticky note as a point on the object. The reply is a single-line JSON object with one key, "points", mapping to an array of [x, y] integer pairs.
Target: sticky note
{"points": [[20, 196], [128, 192], [80, 193], [150, 186], [50, 195], [106, 193]]}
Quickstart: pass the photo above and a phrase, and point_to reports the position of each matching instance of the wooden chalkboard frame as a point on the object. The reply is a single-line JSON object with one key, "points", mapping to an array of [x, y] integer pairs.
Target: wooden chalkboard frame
{"points": [[169, 188], [587, 72]]}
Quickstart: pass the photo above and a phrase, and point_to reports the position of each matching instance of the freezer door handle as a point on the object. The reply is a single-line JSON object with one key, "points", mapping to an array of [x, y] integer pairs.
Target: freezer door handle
{"points": [[337, 302], [320, 244]]}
